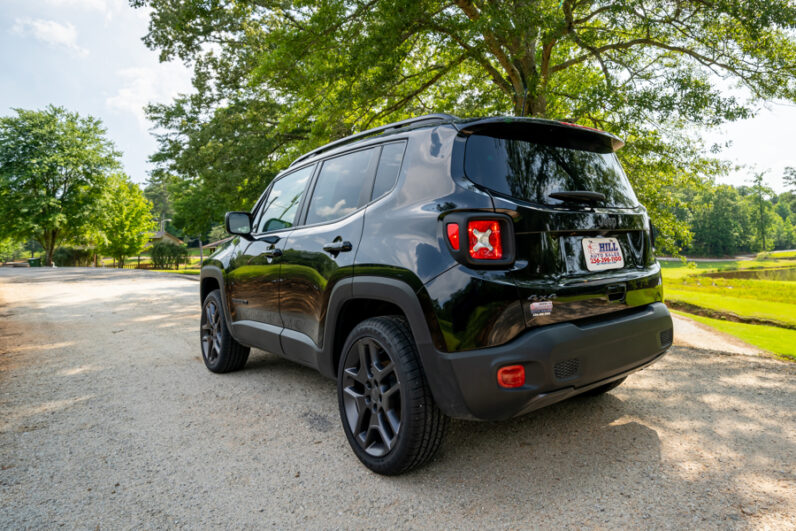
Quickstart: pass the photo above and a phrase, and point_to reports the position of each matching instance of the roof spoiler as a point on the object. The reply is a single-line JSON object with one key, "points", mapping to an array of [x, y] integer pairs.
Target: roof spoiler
{"points": [[581, 136]]}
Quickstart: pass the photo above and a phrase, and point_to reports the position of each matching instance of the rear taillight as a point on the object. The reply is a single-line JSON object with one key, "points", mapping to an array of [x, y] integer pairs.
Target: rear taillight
{"points": [[453, 235], [479, 240], [485, 240]]}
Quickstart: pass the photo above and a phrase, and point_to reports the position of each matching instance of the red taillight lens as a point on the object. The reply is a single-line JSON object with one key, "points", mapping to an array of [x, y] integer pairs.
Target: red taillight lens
{"points": [[511, 376], [484, 240], [453, 235]]}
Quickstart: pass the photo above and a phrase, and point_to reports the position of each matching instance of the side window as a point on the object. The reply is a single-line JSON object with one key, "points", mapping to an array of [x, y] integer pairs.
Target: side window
{"points": [[389, 165], [343, 185], [280, 207]]}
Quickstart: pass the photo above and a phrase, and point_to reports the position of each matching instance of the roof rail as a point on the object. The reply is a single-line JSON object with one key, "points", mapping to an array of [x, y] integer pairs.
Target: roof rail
{"points": [[437, 117]]}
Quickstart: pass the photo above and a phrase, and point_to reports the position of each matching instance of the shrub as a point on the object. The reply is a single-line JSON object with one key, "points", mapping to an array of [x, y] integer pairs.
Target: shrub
{"points": [[167, 255], [73, 257]]}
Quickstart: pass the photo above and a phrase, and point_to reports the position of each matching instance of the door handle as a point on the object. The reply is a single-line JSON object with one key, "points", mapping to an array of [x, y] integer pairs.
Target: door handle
{"points": [[272, 253], [338, 247]]}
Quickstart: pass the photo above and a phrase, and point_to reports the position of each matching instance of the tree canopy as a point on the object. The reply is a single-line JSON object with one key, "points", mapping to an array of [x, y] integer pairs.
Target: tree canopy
{"points": [[274, 78], [126, 219], [54, 167]]}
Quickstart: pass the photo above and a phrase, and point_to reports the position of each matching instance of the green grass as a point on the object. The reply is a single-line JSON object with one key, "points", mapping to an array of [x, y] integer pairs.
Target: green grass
{"points": [[768, 290], [779, 341], [756, 309], [179, 271], [774, 255]]}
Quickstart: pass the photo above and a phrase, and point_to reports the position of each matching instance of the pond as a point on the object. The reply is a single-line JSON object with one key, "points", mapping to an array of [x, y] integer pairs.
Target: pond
{"points": [[788, 273]]}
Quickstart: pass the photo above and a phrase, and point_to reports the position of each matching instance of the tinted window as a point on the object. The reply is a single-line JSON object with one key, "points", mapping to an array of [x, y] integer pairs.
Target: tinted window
{"points": [[280, 207], [343, 186], [533, 169], [389, 166]]}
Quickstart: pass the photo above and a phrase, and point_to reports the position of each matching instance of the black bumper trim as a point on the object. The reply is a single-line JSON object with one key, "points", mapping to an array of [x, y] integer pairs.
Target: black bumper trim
{"points": [[465, 385]]}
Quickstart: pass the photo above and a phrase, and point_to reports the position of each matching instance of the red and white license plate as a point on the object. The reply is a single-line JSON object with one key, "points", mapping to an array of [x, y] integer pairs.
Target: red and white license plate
{"points": [[602, 254]]}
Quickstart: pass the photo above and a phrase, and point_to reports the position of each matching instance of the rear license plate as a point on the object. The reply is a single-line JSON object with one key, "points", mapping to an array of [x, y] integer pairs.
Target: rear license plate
{"points": [[602, 254]]}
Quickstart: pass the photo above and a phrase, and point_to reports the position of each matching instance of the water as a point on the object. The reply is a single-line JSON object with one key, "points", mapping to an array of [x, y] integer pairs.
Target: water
{"points": [[787, 274]]}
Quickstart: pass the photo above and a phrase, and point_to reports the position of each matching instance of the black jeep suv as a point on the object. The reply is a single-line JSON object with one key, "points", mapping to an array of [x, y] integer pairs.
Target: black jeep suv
{"points": [[440, 267]]}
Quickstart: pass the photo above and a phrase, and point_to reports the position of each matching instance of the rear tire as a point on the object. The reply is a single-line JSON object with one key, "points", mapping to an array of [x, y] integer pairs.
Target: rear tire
{"points": [[605, 388], [388, 414], [220, 352]]}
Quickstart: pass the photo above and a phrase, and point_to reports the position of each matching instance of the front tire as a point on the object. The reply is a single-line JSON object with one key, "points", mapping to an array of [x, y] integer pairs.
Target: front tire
{"points": [[388, 414], [220, 352]]}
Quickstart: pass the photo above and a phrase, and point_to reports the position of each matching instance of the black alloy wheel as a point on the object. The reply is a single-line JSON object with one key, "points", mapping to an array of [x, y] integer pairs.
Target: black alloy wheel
{"points": [[372, 397], [386, 408], [220, 351], [211, 331]]}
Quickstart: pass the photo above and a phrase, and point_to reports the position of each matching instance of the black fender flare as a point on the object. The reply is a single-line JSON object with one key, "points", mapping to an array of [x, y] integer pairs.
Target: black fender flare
{"points": [[215, 272], [437, 369]]}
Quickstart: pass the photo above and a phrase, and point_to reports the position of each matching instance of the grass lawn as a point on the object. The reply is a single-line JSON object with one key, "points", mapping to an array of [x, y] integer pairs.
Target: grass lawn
{"points": [[744, 307], [779, 341], [180, 271]]}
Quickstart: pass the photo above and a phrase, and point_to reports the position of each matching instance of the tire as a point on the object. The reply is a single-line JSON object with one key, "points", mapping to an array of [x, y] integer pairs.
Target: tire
{"points": [[387, 411], [605, 388], [220, 352]]}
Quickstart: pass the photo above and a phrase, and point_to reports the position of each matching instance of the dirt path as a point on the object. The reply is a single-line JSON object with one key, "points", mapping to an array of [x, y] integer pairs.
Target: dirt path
{"points": [[108, 419]]}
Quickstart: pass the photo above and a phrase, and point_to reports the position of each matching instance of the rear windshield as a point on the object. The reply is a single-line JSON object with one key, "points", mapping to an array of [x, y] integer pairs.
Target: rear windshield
{"points": [[532, 168]]}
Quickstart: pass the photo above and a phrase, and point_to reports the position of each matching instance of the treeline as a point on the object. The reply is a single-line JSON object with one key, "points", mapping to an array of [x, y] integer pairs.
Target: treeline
{"points": [[61, 184], [727, 220]]}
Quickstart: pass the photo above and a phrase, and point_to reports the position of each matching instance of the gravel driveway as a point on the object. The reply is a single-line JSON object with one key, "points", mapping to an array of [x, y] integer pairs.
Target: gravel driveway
{"points": [[108, 419]]}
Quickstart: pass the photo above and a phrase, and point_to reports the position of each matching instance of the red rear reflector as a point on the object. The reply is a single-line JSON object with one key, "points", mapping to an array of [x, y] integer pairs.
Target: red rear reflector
{"points": [[484, 237], [511, 376], [453, 235]]}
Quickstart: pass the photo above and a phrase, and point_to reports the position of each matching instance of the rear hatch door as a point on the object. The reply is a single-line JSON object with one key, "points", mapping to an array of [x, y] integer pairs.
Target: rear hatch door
{"points": [[582, 238]]}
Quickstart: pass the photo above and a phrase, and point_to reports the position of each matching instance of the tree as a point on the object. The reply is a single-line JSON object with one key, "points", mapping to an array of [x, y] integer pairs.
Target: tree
{"points": [[761, 213], [126, 220], [322, 69], [54, 166]]}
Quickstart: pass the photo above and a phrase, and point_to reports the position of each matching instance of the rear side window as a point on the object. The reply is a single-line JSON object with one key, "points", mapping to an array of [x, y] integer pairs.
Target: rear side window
{"points": [[343, 185], [530, 169], [280, 207], [389, 165]]}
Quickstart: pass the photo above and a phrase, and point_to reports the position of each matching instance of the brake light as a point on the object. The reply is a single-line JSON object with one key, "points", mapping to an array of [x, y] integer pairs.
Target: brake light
{"points": [[511, 376], [453, 235], [484, 239]]}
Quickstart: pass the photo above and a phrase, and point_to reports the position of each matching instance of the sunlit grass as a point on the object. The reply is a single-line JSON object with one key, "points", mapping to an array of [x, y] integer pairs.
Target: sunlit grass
{"points": [[779, 341]]}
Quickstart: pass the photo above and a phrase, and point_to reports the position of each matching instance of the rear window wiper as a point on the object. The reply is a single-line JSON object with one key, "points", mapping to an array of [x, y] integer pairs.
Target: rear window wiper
{"points": [[579, 196]]}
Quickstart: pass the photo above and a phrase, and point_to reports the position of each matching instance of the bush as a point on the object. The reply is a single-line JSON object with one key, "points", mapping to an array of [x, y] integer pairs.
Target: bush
{"points": [[73, 257], [167, 255]]}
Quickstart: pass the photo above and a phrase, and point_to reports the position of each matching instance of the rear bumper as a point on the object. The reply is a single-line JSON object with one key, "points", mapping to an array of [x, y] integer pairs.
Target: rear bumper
{"points": [[560, 361]]}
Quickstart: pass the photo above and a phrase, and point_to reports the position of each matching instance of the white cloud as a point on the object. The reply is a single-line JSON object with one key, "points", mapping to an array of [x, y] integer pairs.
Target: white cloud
{"points": [[49, 31], [144, 85]]}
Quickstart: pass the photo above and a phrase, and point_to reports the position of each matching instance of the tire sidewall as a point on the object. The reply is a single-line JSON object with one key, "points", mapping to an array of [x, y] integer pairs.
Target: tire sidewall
{"points": [[215, 297], [388, 463]]}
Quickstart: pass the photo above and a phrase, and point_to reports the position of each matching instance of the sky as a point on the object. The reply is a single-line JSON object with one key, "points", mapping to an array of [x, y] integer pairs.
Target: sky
{"points": [[87, 56]]}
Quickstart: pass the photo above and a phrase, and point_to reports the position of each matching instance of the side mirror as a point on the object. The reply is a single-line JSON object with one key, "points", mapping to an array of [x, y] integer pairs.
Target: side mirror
{"points": [[239, 223]]}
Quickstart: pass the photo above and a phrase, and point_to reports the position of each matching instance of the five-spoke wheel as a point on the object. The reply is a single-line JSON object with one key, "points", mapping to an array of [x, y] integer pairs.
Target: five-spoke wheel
{"points": [[388, 414], [220, 351]]}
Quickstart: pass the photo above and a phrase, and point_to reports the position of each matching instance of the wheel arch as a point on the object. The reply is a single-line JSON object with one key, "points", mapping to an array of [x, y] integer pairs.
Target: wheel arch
{"points": [[372, 296]]}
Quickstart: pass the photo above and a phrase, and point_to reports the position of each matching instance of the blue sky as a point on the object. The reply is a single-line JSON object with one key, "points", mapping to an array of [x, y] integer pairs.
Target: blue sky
{"points": [[87, 56]]}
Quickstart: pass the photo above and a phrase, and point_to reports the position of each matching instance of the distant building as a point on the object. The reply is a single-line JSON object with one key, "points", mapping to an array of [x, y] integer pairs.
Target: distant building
{"points": [[163, 236]]}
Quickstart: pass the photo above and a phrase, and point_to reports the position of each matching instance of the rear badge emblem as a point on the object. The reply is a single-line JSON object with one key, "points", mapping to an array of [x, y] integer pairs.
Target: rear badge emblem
{"points": [[539, 309]]}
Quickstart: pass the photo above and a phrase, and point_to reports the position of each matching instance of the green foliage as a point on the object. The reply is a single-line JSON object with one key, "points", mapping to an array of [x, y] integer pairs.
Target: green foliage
{"points": [[10, 249], [274, 79], [54, 167], [126, 220], [73, 257], [167, 255]]}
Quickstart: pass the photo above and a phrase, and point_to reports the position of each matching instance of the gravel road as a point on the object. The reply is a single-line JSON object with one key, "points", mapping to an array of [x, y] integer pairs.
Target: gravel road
{"points": [[108, 419]]}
